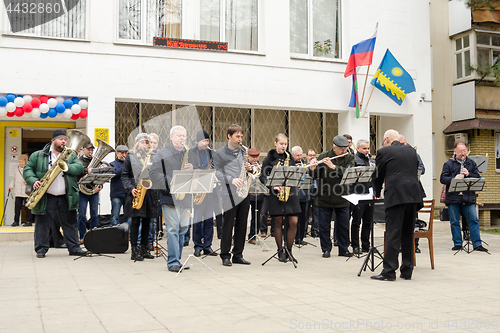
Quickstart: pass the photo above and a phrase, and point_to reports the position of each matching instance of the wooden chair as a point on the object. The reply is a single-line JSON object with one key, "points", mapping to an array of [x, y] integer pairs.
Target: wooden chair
{"points": [[428, 208]]}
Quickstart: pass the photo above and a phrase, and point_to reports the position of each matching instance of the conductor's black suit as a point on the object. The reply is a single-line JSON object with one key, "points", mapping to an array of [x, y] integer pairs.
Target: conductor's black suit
{"points": [[397, 165]]}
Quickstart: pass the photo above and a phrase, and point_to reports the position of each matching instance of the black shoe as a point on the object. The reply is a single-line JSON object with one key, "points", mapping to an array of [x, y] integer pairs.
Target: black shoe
{"points": [[197, 253], [335, 243], [226, 262], [28, 224], [481, 248], [404, 277], [186, 243], [301, 242], [383, 278], [417, 250], [356, 250], [136, 254], [282, 255], [241, 261], [345, 254], [174, 268], [456, 248], [291, 257], [150, 247], [15, 224], [314, 234], [145, 253], [210, 252], [40, 255], [80, 253], [326, 254], [365, 250]]}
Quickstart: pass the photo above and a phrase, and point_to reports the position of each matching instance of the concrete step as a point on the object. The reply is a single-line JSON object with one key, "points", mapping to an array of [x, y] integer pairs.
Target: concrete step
{"points": [[16, 234]]}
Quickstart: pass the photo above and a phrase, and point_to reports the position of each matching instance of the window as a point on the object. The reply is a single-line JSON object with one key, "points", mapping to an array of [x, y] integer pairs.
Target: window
{"points": [[488, 49], [314, 28], [67, 19], [497, 152], [462, 57]]}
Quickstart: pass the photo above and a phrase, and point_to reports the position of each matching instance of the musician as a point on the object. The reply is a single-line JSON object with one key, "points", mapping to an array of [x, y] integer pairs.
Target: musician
{"points": [[397, 166], [351, 148], [362, 211], [229, 163], [117, 191], [256, 199], [304, 197], [61, 198], [18, 187], [85, 199], [464, 202], [200, 155], [311, 206], [175, 211], [153, 225], [279, 208], [131, 172], [329, 197]]}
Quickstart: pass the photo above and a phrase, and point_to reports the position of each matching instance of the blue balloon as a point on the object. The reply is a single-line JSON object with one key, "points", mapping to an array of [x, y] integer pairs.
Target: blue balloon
{"points": [[68, 103], [3, 101], [44, 115], [60, 108], [10, 97], [52, 113], [75, 100]]}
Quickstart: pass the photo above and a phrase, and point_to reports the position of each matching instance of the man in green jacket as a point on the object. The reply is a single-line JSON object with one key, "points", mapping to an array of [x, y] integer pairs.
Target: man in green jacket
{"points": [[329, 197], [60, 199]]}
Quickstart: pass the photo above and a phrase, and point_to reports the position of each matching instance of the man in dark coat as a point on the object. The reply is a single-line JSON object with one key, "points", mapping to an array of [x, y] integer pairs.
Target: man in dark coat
{"points": [[397, 165], [117, 191], [92, 199]]}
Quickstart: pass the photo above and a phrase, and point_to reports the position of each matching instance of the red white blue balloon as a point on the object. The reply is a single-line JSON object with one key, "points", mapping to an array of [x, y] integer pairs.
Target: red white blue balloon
{"points": [[10, 107], [18, 101], [52, 103], [83, 103], [44, 108]]}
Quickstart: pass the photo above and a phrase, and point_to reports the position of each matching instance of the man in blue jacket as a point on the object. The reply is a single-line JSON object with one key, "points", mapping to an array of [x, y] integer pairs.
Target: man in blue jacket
{"points": [[460, 166], [117, 191]]}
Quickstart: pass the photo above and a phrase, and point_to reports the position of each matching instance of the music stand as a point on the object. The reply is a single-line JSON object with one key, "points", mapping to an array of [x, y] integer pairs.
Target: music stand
{"points": [[256, 187], [285, 176], [465, 185], [190, 182], [305, 184]]}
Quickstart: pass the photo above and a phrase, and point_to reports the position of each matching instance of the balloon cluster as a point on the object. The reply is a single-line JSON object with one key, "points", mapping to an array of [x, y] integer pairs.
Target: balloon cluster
{"points": [[43, 106]]}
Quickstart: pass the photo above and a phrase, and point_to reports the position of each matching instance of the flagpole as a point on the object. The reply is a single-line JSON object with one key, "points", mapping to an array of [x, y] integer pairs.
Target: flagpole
{"points": [[364, 88], [368, 101]]}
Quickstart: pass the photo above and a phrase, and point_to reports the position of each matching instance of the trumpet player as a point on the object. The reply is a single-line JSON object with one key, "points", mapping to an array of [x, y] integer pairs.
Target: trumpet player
{"points": [[117, 192], [132, 168], [84, 199], [61, 198], [175, 210]]}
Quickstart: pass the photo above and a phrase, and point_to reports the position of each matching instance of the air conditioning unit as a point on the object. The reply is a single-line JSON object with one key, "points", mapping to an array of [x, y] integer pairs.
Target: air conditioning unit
{"points": [[449, 141]]}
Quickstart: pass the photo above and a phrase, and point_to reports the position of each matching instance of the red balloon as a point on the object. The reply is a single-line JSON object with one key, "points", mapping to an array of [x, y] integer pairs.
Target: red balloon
{"points": [[35, 102], [27, 107], [83, 114], [10, 114], [19, 112], [74, 116], [43, 99]]}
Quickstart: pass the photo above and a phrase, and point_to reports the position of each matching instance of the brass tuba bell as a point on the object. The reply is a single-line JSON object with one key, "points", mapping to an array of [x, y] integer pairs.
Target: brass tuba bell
{"points": [[103, 149]]}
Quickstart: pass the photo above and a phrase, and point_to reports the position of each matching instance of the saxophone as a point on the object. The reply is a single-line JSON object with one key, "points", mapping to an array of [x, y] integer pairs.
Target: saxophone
{"points": [[142, 185], [284, 193], [242, 191], [181, 196], [76, 140], [199, 197]]}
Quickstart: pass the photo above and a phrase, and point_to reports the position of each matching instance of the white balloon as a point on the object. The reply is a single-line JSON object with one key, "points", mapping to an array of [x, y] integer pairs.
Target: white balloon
{"points": [[10, 107], [75, 109], [19, 101], [27, 98], [60, 99], [44, 108], [35, 113], [52, 103], [3, 111], [67, 113], [83, 103]]}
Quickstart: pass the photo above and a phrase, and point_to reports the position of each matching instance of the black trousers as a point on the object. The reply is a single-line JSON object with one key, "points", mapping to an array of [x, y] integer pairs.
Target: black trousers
{"points": [[236, 218], [361, 212], [18, 205], [56, 205], [303, 219], [134, 230], [399, 228]]}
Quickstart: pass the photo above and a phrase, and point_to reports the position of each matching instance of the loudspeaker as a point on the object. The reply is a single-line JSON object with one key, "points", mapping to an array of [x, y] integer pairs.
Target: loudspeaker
{"points": [[107, 239]]}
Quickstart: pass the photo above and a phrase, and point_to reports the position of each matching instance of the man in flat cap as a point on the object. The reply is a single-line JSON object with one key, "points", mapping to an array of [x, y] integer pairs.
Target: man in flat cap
{"points": [[329, 197], [256, 199], [61, 198], [85, 199], [117, 191]]}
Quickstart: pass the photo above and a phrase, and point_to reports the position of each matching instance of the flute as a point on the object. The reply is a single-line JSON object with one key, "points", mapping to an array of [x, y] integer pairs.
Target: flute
{"points": [[331, 158]]}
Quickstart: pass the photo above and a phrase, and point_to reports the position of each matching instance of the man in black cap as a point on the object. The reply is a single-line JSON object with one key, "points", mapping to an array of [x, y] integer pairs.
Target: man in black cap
{"points": [[61, 198], [85, 199], [329, 197], [117, 191]]}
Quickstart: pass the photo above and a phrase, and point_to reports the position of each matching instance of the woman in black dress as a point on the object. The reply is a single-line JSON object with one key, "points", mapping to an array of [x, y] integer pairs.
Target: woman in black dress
{"points": [[281, 201]]}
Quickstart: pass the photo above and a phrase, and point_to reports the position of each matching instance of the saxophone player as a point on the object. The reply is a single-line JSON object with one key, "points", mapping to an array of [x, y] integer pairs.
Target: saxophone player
{"points": [[281, 201], [132, 169], [61, 198], [175, 211], [84, 199], [229, 162]]}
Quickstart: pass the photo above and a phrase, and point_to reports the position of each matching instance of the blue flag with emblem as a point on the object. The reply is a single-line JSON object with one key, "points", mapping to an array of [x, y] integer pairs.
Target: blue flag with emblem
{"points": [[392, 79]]}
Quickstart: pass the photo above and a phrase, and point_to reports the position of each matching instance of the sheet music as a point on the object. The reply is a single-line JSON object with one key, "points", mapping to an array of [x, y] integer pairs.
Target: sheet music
{"points": [[355, 198]]}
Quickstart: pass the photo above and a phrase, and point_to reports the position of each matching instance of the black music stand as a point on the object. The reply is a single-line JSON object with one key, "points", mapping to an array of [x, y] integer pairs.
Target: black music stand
{"points": [[190, 182], [285, 176], [373, 251], [256, 187], [465, 185], [305, 184]]}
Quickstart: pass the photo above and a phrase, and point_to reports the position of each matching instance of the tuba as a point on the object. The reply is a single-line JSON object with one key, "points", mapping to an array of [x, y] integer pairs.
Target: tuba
{"points": [[76, 140], [284, 193], [103, 149], [242, 191]]}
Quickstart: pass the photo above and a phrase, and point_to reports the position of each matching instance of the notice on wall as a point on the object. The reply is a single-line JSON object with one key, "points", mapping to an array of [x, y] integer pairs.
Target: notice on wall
{"points": [[101, 133], [14, 157], [13, 133]]}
